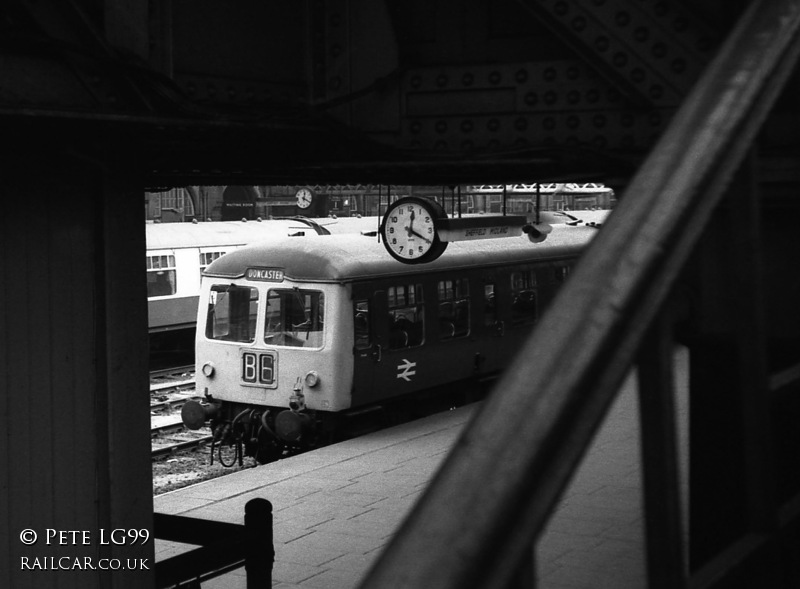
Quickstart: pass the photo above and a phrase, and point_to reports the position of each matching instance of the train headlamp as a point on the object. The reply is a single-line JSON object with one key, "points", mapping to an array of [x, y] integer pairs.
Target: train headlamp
{"points": [[312, 378], [208, 370]]}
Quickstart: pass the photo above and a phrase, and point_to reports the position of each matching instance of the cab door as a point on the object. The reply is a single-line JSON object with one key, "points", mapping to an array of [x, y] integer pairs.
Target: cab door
{"points": [[367, 349]]}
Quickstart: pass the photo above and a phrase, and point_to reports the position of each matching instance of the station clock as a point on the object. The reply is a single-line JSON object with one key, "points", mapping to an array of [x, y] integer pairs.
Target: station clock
{"points": [[410, 230], [304, 198]]}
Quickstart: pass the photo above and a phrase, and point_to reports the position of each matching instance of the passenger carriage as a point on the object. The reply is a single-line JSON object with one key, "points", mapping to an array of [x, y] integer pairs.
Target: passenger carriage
{"points": [[292, 333]]}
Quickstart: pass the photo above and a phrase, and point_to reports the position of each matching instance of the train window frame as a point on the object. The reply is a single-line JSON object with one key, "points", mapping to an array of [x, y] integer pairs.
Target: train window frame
{"points": [[453, 308], [162, 273], [362, 327], [276, 333], [406, 316], [524, 296], [235, 308], [206, 257]]}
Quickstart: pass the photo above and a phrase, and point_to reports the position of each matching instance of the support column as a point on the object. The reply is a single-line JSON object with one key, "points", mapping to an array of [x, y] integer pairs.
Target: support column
{"points": [[74, 409]]}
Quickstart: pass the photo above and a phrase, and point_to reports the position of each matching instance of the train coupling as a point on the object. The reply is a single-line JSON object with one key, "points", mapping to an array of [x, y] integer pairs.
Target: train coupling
{"points": [[194, 414], [294, 425]]}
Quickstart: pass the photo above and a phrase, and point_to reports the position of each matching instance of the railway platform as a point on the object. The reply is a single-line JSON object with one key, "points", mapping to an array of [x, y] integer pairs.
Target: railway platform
{"points": [[337, 507]]}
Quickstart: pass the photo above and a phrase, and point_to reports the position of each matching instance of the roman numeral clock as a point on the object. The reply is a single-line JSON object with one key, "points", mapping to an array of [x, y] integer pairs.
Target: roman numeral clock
{"points": [[416, 230]]}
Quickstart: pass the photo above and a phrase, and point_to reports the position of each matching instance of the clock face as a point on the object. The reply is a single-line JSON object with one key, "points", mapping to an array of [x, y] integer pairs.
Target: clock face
{"points": [[304, 198], [409, 231]]}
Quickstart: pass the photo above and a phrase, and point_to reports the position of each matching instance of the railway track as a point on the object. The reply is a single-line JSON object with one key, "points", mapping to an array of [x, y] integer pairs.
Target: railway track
{"points": [[169, 440], [169, 390]]}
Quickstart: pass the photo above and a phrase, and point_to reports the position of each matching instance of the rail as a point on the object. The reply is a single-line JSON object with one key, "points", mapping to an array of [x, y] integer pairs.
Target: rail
{"points": [[477, 522]]}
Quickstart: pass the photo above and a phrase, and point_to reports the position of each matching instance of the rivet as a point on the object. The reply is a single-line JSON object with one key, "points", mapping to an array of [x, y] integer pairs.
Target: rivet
{"points": [[467, 79], [441, 127]]}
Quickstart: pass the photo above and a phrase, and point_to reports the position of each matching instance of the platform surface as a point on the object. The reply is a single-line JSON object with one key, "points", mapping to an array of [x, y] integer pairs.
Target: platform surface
{"points": [[337, 507]]}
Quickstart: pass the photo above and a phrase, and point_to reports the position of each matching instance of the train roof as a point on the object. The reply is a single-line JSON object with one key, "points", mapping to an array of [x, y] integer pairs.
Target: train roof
{"points": [[342, 258], [222, 233], [161, 236]]}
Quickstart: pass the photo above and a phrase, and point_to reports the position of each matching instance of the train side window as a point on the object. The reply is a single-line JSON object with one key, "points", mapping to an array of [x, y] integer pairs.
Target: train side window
{"points": [[361, 325], [160, 276], [406, 316], [489, 304], [232, 312], [206, 258], [295, 318], [523, 294], [453, 308]]}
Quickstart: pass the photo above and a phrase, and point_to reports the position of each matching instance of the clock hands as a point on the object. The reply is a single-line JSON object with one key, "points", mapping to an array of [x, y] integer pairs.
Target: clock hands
{"points": [[412, 232], [410, 228]]}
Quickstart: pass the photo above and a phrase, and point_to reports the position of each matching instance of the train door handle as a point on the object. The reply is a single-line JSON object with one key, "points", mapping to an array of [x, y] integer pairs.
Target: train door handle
{"points": [[376, 353], [499, 327]]}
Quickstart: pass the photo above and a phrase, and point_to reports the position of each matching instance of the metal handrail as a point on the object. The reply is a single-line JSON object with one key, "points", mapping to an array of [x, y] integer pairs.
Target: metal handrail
{"points": [[492, 496]]}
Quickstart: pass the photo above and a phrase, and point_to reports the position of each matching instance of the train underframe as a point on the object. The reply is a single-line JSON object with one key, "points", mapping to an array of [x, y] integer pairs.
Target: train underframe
{"points": [[270, 433]]}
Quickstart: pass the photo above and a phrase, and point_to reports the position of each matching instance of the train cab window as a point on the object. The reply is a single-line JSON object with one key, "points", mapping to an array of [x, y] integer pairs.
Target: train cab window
{"points": [[160, 276], [295, 318], [232, 312], [406, 316], [453, 308], [361, 325], [523, 296], [489, 304], [206, 258]]}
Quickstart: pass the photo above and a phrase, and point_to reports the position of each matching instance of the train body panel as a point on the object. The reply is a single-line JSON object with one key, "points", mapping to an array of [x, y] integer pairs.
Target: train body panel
{"points": [[297, 332]]}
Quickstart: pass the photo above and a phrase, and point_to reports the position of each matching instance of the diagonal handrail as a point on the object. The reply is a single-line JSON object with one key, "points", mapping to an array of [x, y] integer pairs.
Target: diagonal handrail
{"points": [[502, 479]]}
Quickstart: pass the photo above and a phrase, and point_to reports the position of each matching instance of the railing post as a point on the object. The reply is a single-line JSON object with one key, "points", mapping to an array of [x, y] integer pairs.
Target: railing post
{"points": [[259, 549], [666, 554]]}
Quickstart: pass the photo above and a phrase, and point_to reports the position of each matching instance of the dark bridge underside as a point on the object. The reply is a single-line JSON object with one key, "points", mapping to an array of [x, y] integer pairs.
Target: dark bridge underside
{"points": [[358, 91]]}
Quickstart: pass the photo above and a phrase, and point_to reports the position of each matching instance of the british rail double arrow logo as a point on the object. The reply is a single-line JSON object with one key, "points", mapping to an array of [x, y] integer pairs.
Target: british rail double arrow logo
{"points": [[405, 370]]}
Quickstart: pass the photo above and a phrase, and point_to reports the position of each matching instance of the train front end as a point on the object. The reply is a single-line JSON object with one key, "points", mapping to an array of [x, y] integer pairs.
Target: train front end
{"points": [[266, 360]]}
